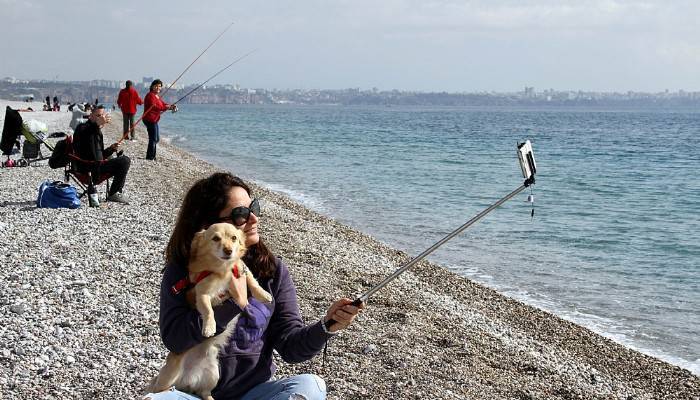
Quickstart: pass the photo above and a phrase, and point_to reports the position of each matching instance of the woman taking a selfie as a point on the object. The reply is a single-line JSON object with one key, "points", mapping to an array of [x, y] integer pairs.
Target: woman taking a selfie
{"points": [[245, 363]]}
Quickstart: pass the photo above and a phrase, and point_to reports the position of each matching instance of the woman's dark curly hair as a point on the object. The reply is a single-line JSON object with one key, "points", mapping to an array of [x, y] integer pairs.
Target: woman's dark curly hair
{"points": [[200, 208], [154, 83]]}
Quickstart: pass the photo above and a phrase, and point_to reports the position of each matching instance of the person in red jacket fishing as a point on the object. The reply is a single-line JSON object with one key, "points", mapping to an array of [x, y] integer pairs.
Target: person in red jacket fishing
{"points": [[154, 107], [127, 101]]}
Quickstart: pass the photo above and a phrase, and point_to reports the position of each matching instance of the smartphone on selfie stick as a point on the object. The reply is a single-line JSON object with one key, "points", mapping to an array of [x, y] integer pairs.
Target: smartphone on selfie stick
{"points": [[528, 167]]}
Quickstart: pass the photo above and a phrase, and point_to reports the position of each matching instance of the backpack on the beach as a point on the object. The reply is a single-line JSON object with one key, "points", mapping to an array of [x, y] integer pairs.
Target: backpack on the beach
{"points": [[57, 195], [59, 155]]}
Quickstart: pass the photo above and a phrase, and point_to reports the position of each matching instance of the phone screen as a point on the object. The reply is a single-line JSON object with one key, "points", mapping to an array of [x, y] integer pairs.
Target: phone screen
{"points": [[527, 159]]}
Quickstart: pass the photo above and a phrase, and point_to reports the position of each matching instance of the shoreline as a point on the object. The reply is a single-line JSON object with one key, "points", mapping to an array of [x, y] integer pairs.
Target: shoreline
{"points": [[418, 337]]}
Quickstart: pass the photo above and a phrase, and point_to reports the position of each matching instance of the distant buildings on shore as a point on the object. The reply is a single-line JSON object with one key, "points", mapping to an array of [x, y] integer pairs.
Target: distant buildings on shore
{"points": [[107, 91]]}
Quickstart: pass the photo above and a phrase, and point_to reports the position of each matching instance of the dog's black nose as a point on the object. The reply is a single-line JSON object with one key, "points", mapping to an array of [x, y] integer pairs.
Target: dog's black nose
{"points": [[228, 251]]}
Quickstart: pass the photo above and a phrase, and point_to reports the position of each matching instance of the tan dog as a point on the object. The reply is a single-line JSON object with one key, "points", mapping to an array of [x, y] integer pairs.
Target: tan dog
{"points": [[214, 254]]}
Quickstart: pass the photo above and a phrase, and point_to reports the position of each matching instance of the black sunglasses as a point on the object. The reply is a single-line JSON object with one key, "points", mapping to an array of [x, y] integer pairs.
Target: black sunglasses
{"points": [[240, 215]]}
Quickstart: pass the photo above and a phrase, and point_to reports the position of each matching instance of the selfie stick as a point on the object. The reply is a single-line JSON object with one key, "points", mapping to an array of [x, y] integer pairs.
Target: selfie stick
{"points": [[527, 164]]}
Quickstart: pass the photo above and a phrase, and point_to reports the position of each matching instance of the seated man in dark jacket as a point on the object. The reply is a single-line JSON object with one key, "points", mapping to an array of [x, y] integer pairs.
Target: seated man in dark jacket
{"points": [[88, 144]]}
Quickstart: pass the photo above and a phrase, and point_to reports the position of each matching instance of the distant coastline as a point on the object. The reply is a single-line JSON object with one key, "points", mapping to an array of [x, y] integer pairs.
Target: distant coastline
{"points": [[106, 92]]}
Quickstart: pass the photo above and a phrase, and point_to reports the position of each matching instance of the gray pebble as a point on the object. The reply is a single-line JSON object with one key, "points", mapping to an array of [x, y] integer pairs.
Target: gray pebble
{"points": [[18, 308], [370, 348]]}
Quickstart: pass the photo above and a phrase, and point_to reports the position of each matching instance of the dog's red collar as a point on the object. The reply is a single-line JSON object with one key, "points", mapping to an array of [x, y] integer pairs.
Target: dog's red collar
{"points": [[236, 273], [185, 283]]}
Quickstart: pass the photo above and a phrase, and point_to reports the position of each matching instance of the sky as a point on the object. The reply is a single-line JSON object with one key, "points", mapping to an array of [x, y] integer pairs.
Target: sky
{"points": [[422, 45]]}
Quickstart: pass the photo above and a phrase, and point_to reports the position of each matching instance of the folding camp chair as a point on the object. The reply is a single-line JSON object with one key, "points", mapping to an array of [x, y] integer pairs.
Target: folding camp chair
{"points": [[31, 149], [80, 170]]}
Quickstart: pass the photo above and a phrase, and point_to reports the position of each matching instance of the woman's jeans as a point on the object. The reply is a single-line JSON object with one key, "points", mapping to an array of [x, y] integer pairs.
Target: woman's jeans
{"points": [[153, 139], [302, 387]]}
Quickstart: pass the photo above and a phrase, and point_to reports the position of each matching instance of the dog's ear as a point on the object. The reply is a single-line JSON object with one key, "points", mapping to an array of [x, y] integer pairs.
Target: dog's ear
{"points": [[196, 241]]}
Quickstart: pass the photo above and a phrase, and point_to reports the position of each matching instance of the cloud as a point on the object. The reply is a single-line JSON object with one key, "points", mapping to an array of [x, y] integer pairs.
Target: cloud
{"points": [[683, 54], [441, 44]]}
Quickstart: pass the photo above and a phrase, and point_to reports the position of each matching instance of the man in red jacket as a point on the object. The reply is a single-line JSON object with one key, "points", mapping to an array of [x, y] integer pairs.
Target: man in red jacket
{"points": [[127, 102]]}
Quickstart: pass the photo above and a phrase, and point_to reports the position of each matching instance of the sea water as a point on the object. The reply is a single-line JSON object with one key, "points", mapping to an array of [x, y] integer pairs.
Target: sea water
{"points": [[614, 244]]}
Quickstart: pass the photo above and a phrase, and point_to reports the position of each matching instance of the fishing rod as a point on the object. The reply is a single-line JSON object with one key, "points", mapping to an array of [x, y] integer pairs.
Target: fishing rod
{"points": [[133, 126], [215, 75], [195, 60], [528, 167]]}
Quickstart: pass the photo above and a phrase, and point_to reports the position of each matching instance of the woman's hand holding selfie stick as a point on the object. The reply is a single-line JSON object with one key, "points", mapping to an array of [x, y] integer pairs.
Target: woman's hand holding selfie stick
{"points": [[342, 313]]}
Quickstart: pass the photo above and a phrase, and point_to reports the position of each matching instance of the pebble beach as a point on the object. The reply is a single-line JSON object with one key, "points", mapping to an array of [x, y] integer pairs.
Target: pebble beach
{"points": [[79, 309]]}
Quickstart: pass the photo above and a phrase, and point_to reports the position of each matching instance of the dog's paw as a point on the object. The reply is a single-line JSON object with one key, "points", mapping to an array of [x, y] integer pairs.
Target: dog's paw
{"points": [[265, 297], [209, 328]]}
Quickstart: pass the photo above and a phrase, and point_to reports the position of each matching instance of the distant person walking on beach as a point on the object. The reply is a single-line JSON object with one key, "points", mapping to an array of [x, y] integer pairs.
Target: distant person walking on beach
{"points": [[246, 363], [56, 104], [89, 145], [47, 106], [127, 101], [153, 107]]}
